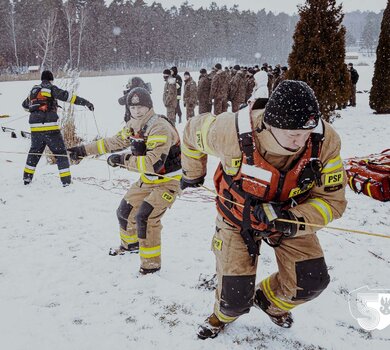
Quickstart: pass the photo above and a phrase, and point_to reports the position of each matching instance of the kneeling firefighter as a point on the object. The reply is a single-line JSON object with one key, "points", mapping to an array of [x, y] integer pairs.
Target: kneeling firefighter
{"points": [[278, 162], [155, 150]]}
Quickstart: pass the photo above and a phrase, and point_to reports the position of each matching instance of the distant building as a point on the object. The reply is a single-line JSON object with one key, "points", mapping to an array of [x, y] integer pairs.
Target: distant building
{"points": [[351, 56], [33, 69]]}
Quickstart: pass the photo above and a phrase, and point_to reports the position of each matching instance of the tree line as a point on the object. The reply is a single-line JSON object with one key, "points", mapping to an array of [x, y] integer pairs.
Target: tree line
{"points": [[91, 35]]}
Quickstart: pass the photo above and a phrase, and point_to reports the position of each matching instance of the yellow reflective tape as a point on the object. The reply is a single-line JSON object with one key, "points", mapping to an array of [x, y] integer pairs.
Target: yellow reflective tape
{"points": [[45, 128], [125, 133], [46, 94], [236, 162], [129, 239], [191, 153], [222, 317], [101, 147], [157, 138], [204, 131], [73, 99], [168, 197], [231, 171], [350, 182], [217, 244], [150, 252], [65, 174], [332, 165], [159, 181], [271, 296], [334, 178], [323, 208], [369, 189], [141, 165], [29, 171]]}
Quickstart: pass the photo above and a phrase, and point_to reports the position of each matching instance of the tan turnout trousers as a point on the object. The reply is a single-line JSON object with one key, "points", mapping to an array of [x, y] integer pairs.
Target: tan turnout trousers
{"points": [[302, 274], [140, 214]]}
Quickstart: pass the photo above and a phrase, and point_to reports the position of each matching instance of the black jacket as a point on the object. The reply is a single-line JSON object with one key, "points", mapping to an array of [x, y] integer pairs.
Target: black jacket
{"points": [[50, 116], [354, 76]]}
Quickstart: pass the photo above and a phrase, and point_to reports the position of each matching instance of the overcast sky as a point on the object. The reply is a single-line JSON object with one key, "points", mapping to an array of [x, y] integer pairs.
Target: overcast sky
{"points": [[288, 6]]}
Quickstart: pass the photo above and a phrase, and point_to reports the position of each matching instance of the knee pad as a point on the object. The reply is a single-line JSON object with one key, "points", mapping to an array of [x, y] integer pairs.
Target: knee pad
{"points": [[312, 278], [237, 295], [123, 213], [141, 218]]}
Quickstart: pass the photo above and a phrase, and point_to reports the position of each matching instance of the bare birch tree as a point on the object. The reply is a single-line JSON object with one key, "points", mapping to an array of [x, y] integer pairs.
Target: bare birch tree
{"points": [[12, 30], [70, 16], [47, 40], [82, 22]]}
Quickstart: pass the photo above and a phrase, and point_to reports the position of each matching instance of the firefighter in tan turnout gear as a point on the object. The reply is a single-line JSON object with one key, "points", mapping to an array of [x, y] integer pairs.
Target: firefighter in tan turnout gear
{"points": [[281, 162], [155, 149]]}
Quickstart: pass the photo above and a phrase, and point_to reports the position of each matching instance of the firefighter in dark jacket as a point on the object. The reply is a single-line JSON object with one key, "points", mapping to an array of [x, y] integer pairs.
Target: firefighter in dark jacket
{"points": [[153, 149], [179, 83], [278, 163], [354, 79], [45, 128]]}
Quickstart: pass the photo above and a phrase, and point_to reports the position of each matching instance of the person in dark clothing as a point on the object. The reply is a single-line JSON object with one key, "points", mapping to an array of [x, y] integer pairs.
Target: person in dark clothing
{"points": [[354, 79], [179, 83], [45, 129], [133, 83]]}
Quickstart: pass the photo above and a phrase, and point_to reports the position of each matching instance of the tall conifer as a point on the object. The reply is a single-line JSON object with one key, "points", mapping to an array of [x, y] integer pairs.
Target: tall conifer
{"points": [[318, 53], [380, 91]]}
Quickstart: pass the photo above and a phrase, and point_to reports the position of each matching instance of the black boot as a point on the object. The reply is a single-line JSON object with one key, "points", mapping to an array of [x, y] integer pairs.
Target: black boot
{"points": [[144, 271], [131, 248], [261, 302], [210, 328]]}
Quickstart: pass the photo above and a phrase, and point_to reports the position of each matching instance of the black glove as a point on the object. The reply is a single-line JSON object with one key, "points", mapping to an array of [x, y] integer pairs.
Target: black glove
{"points": [[115, 160], [269, 213], [78, 152], [184, 183], [90, 106], [138, 146]]}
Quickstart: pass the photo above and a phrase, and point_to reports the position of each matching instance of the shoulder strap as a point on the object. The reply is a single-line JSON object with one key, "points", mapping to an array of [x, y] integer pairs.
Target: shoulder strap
{"points": [[245, 134], [317, 137], [149, 123]]}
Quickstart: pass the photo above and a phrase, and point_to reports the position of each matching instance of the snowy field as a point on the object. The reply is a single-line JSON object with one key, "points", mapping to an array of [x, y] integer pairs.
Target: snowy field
{"points": [[59, 288]]}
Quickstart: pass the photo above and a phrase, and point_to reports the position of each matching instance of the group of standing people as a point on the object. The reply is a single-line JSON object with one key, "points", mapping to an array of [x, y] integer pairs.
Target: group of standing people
{"points": [[280, 171], [217, 89]]}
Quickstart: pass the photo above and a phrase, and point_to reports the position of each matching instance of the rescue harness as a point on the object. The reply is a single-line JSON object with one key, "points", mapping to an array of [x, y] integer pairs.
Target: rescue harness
{"points": [[257, 181]]}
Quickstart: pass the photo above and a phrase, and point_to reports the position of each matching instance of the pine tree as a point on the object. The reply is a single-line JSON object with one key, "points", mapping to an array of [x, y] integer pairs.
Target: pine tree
{"points": [[318, 53], [379, 95]]}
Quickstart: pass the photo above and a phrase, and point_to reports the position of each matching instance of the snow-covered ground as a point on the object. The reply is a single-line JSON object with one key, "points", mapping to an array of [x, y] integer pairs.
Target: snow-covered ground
{"points": [[60, 289]]}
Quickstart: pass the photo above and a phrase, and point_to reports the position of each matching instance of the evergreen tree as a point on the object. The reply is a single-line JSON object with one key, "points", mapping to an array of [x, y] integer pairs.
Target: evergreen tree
{"points": [[379, 95], [318, 52]]}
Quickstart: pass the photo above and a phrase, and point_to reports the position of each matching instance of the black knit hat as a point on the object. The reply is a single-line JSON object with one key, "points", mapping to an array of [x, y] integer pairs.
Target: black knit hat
{"points": [[167, 72], [47, 75], [139, 97], [236, 67], [187, 73], [292, 106], [218, 66], [203, 71]]}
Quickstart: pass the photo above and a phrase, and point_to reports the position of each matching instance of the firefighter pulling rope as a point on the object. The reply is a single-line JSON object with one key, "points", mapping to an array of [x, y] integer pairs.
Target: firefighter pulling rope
{"points": [[226, 199]]}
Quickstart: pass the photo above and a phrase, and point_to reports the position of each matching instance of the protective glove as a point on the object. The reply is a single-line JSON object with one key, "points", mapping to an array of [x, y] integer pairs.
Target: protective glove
{"points": [[115, 160], [184, 183], [78, 152], [138, 146], [90, 106], [269, 213]]}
